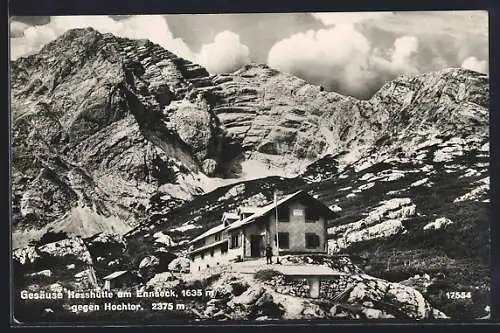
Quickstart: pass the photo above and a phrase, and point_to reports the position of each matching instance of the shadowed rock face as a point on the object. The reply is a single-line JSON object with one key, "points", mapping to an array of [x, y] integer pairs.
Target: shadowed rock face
{"points": [[277, 114], [89, 130], [114, 137], [116, 131], [276, 296]]}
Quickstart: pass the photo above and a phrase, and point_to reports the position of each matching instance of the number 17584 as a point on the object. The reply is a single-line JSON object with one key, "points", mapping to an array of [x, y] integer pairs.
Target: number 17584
{"points": [[458, 294]]}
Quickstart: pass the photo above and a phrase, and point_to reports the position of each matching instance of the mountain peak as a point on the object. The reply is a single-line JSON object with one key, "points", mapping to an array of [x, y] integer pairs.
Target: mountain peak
{"points": [[75, 32], [123, 107], [78, 37], [111, 134]]}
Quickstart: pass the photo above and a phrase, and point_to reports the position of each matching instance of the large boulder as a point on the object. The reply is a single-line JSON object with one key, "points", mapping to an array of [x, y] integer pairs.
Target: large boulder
{"points": [[209, 167], [163, 239], [392, 298], [193, 125], [149, 262], [419, 282], [106, 246], [180, 264], [64, 252], [250, 296], [25, 255], [267, 306], [162, 281], [155, 263]]}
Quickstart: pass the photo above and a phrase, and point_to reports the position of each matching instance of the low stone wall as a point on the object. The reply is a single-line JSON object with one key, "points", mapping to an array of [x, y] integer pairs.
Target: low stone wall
{"points": [[329, 288], [287, 286], [333, 286]]}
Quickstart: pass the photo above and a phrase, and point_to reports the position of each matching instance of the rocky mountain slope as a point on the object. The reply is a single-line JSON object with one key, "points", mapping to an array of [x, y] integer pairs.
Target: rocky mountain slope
{"points": [[414, 203], [66, 265], [118, 136], [105, 129], [402, 217]]}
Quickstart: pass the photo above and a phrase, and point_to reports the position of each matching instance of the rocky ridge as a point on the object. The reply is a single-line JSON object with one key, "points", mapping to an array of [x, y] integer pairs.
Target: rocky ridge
{"points": [[106, 147], [265, 295], [145, 129], [136, 150], [419, 210]]}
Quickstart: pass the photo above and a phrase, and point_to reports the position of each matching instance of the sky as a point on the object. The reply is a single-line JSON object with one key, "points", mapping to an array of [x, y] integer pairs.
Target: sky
{"points": [[351, 53]]}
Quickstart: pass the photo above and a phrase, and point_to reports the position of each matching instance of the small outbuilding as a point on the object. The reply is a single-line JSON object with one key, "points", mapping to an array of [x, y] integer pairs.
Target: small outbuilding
{"points": [[119, 279]]}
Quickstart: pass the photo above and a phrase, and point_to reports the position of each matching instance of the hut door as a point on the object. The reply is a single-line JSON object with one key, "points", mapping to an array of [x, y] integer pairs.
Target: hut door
{"points": [[255, 245]]}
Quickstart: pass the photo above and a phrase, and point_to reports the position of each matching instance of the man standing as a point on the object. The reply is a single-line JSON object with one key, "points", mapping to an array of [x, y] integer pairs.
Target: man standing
{"points": [[269, 254]]}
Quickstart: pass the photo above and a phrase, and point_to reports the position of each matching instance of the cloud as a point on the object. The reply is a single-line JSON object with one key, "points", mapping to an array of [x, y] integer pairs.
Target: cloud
{"points": [[404, 48], [348, 18], [475, 64], [353, 53], [343, 59], [17, 28], [152, 27], [356, 53], [225, 54], [445, 38], [28, 39]]}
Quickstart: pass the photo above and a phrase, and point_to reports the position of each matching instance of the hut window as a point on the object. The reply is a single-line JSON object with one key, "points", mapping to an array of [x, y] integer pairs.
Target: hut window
{"points": [[312, 241], [283, 214], [235, 240], [284, 240], [311, 215]]}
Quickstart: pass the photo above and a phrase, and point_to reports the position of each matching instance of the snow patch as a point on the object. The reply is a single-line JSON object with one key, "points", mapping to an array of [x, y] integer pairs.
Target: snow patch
{"points": [[365, 187], [475, 194], [344, 188], [470, 173], [162, 238], [335, 208], [421, 156], [419, 182], [439, 223], [383, 221], [447, 153], [233, 192], [380, 230], [485, 180], [426, 168], [186, 227], [395, 175], [366, 176], [396, 192]]}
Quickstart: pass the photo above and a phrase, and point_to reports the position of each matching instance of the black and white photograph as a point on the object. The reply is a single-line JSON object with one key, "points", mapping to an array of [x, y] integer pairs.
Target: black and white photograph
{"points": [[253, 167]]}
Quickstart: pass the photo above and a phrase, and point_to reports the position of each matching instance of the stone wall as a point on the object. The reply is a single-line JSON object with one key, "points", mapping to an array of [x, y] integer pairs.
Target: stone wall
{"points": [[329, 288], [333, 287], [287, 286]]}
